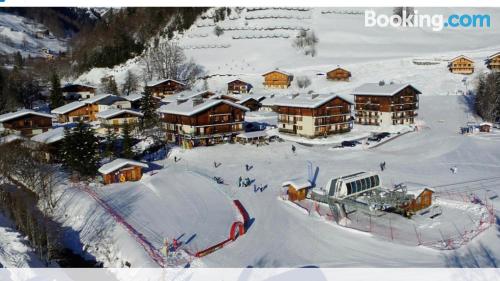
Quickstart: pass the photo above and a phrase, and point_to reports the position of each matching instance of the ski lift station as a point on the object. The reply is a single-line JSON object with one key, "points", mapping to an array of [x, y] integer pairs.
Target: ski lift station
{"points": [[364, 191]]}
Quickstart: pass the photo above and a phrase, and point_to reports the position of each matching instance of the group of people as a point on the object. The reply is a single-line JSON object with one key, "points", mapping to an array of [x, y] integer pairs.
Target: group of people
{"points": [[244, 182]]}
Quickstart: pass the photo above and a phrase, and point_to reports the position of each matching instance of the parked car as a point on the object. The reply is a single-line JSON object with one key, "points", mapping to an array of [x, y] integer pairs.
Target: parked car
{"points": [[350, 143], [379, 136]]}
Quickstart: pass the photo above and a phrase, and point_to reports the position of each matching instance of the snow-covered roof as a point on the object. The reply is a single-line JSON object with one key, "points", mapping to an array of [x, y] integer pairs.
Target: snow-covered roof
{"points": [[416, 189], [10, 138], [306, 100], [378, 89], [298, 185], [110, 113], [118, 164], [251, 135], [190, 108], [96, 98], [246, 99], [485, 124], [133, 97], [279, 71], [338, 67], [109, 100], [78, 84], [50, 136], [68, 107], [234, 80], [494, 55], [184, 95], [20, 113], [158, 82], [462, 57]]}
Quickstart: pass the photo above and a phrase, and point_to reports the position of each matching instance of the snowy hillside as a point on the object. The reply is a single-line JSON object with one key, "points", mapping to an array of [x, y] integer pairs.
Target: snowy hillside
{"points": [[20, 34], [257, 40]]}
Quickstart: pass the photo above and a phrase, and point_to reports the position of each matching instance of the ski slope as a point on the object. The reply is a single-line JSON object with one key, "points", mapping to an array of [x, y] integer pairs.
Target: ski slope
{"points": [[283, 236], [18, 34]]}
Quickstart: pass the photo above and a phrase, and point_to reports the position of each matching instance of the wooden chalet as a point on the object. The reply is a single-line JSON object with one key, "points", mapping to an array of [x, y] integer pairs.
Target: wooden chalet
{"points": [[72, 112], [313, 115], [338, 74], [386, 104], [49, 144], [297, 191], [277, 79], [116, 118], [422, 200], [122, 170], [461, 65], [493, 62], [25, 122], [78, 90], [187, 95], [226, 97], [238, 87], [165, 87], [77, 111], [485, 127], [201, 122], [251, 103]]}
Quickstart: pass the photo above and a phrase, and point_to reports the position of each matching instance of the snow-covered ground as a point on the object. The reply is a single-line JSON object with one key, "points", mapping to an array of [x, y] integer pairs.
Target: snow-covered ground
{"points": [[18, 34], [172, 201], [14, 251]]}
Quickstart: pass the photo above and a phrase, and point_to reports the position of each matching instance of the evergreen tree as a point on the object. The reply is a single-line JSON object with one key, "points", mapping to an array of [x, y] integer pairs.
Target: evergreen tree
{"points": [[81, 150], [148, 108], [127, 142], [108, 85], [18, 60], [56, 96], [109, 150]]}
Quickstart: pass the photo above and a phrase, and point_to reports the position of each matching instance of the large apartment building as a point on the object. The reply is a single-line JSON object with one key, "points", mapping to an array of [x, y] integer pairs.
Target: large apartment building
{"points": [[386, 104], [201, 122], [313, 115]]}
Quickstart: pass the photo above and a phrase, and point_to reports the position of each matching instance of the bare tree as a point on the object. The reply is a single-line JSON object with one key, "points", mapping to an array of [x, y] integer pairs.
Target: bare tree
{"points": [[131, 84], [167, 61], [306, 41], [303, 82]]}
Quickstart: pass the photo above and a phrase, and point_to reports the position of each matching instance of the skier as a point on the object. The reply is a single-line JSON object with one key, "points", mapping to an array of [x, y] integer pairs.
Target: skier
{"points": [[239, 181], [383, 165], [454, 169], [246, 167], [175, 159], [293, 148]]}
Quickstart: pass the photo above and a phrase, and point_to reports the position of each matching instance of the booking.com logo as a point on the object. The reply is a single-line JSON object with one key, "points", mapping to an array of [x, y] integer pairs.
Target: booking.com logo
{"points": [[436, 22]]}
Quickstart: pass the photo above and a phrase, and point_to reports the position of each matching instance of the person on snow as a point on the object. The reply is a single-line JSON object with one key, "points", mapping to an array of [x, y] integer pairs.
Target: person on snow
{"points": [[239, 181], [293, 148]]}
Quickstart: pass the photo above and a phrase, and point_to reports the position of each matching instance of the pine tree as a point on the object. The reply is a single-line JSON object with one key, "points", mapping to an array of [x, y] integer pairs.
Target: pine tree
{"points": [[56, 96], [109, 150], [127, 142], [81, 150], [148, 108], [18, 60]]}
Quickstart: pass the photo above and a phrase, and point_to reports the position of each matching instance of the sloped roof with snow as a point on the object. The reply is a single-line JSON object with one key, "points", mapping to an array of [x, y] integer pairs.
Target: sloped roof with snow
{"points": [[158, 82], [133, 97], [250, 135], [118, 164], [68, 107], [190, 108], [109, 100], [462, 57], [238, 80], [298, 185], [110, 113], [494, 55], [247, 99], [375, 89], [184, 95], [279, 71], [21, 113], [306, 100], [96, 98], [51, 136]]}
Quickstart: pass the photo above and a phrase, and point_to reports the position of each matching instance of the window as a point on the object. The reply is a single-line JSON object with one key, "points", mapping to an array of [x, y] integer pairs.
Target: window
{"points": [[349, 188]]}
